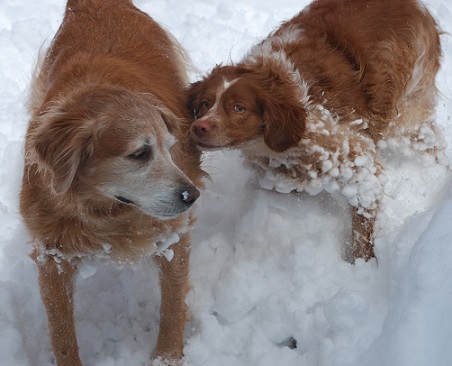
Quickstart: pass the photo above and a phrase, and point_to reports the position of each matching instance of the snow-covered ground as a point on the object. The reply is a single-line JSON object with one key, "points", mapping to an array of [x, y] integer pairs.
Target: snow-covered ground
{"points": [[266, 267]]}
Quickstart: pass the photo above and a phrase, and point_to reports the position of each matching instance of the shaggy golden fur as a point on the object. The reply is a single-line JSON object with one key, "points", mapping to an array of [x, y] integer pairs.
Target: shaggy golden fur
{"points": [[109, 168], [310, 104]]}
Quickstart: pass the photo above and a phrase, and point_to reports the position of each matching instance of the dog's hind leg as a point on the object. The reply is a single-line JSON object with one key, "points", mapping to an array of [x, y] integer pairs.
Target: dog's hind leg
{"points": [[174, 284], [56, 283]]}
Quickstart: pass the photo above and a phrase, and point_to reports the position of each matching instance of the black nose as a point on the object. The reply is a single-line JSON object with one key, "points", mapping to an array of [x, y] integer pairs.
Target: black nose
{"points": [[190, 194]]}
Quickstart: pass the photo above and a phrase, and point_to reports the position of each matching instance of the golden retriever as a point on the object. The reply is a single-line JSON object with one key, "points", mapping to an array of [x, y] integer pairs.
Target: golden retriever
{"points": [[311, 104], [109, 167]]}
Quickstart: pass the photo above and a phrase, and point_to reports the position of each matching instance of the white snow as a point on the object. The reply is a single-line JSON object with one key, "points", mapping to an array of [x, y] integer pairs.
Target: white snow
{"points": [[185, 195], [266, 267]]}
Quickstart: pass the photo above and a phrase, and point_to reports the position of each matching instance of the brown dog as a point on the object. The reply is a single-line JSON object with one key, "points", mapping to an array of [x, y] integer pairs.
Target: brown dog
{"points": [[309, 105], [109, 170]]}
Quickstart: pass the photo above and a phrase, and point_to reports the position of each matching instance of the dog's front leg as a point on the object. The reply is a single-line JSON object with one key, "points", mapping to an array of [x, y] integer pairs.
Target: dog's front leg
{"points": [[363, 233], [56, 283], [174, 284]]}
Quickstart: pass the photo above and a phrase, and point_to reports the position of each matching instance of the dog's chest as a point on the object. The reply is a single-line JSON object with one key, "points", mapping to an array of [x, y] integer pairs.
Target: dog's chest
{"points": [[332, 157]]}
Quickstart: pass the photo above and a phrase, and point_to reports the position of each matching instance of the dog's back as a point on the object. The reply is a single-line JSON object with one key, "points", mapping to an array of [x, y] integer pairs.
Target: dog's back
{"points": [[94, 29], [375, 56]]}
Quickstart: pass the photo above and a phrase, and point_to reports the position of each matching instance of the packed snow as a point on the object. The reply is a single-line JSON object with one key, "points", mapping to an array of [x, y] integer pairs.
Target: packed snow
{"points": [[270, 286]]}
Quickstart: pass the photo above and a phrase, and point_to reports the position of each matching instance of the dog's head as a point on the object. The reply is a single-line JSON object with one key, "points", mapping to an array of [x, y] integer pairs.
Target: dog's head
{"points": [[111, 144], [235, 105]]}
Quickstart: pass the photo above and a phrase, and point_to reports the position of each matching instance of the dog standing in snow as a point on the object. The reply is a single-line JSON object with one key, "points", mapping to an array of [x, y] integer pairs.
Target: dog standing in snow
{"points": [[311, 105], [109, 170]]}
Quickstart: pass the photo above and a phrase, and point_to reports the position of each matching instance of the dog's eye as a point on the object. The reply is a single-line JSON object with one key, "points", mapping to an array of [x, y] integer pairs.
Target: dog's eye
{"points": [[141, 154], [239, 108], [205, 104]]}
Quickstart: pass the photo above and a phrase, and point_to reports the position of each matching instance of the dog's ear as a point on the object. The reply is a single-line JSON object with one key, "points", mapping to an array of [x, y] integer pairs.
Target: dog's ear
{"points": [[172, 122], [193, 95], [284, 122], [60, 142]]}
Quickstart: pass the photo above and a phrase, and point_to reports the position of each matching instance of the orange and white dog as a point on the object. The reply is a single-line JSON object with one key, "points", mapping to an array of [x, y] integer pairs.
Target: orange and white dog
{"points": [[109, 168], [310, 105]]}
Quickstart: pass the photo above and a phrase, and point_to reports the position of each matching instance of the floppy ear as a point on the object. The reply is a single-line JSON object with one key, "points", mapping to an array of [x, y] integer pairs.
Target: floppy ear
{"points": [[173, 123], [284, 123], [193, 93], [61, 142]]}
